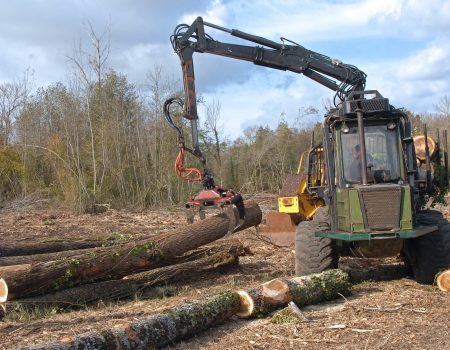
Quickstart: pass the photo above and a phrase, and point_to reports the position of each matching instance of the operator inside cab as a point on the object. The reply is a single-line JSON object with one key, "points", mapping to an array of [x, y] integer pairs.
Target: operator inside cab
{"points": [[355, 171]]}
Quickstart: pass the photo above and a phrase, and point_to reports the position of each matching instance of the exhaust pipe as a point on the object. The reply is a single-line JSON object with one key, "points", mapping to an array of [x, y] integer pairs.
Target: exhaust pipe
{"points": [[362, 145]]}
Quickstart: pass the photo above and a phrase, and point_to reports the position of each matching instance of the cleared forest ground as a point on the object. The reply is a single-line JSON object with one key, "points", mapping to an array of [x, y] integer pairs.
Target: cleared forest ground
{"points": [[397, 314]]}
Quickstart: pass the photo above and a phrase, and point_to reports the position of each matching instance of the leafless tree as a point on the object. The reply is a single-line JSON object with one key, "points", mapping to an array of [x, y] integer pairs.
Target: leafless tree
{"points": [[443, 106], [13, 97]]}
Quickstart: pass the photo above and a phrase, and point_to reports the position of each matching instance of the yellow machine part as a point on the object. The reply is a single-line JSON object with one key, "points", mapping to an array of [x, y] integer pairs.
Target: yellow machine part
{"points": [[294, 198], [302, 204]]}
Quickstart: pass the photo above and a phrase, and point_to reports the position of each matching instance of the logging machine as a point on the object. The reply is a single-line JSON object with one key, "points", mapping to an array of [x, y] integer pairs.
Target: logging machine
{"points": [[361, 189]]}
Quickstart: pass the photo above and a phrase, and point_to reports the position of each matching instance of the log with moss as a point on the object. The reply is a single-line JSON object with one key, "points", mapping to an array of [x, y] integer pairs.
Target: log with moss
{"points": [[118, 261], [156, 331], [215, 258], [189, 319], [302, 291]]}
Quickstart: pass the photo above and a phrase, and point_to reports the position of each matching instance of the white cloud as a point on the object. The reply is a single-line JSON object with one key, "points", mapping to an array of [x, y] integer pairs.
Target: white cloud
{"points": [[216, 13], [416, 81], [264, 98]]}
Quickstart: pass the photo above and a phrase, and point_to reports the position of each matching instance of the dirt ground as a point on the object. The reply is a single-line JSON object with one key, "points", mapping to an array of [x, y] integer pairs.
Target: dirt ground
{"points": [[398, 314]]}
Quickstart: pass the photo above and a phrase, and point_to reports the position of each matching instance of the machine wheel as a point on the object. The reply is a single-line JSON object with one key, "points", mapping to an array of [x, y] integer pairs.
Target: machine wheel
{"points": [[314, 254], [427, 255]]}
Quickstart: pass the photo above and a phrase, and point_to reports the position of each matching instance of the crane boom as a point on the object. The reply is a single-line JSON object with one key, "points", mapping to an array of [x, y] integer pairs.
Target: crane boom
{"points": [[293, 57]]}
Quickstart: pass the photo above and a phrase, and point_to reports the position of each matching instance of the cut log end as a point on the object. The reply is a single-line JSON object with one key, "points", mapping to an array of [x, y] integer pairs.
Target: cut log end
{"points": [[272, 293], [443, 281], [276, 292], [3, 291], [247, 307]]}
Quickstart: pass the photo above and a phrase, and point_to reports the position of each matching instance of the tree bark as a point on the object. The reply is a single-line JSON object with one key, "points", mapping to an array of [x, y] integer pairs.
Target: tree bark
{"points": [[35, 258], [302, 291], [118, 261], [443, 281], [30, 248], [13, 268], [215, 258], [156, 331]]}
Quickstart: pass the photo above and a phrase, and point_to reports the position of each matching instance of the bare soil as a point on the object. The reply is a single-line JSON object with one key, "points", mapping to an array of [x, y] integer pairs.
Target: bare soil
{"points": [[398, 314]]}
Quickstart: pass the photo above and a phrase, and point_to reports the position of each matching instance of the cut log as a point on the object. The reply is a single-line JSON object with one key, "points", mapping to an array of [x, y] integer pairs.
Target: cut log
{"points": [[118, 261], [443, 281], [156, 331], [217, 258], [191, 318], [419, 145], [28, 260], [30, 248], [302, 291], [3, 291]]}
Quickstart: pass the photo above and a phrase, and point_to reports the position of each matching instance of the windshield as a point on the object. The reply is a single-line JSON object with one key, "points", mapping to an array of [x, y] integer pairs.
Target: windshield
{"points": [[381, 154]]}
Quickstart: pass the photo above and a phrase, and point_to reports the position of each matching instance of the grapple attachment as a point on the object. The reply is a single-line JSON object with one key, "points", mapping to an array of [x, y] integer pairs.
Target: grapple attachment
{"points": [[230, 202]]}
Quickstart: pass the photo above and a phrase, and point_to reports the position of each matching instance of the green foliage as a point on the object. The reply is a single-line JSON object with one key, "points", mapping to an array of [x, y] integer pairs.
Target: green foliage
{"points": [[284, 316], [118, 236], [151, 248]]}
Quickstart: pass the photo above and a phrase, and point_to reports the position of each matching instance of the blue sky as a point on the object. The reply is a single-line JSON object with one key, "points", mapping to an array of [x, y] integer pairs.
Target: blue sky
{"points": [[403, 46]]}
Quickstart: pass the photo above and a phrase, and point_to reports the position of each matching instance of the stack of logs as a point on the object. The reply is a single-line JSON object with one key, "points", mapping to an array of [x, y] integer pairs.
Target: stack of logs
{"points": [[85, 274]]}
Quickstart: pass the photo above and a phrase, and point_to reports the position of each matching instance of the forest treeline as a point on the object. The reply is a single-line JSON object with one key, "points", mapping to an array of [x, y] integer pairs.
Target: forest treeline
{"points": [[99, 139], [109, 144]]}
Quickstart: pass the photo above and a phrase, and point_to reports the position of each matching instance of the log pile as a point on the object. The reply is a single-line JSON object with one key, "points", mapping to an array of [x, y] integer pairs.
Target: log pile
{"points": [[215, 258], [89, 272], [115, 262]]}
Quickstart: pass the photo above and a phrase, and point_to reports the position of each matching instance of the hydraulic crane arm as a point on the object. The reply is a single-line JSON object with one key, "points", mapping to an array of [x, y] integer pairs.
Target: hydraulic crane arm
{"points": [[187, 40]]}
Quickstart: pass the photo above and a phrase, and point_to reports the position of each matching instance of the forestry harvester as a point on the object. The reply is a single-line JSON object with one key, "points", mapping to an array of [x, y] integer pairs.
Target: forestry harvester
{"points": [[361, 189]]}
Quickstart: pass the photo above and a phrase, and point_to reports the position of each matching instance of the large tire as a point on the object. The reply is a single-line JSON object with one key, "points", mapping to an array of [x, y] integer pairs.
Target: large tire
{"points": [[427, 255], [314, 254]]}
